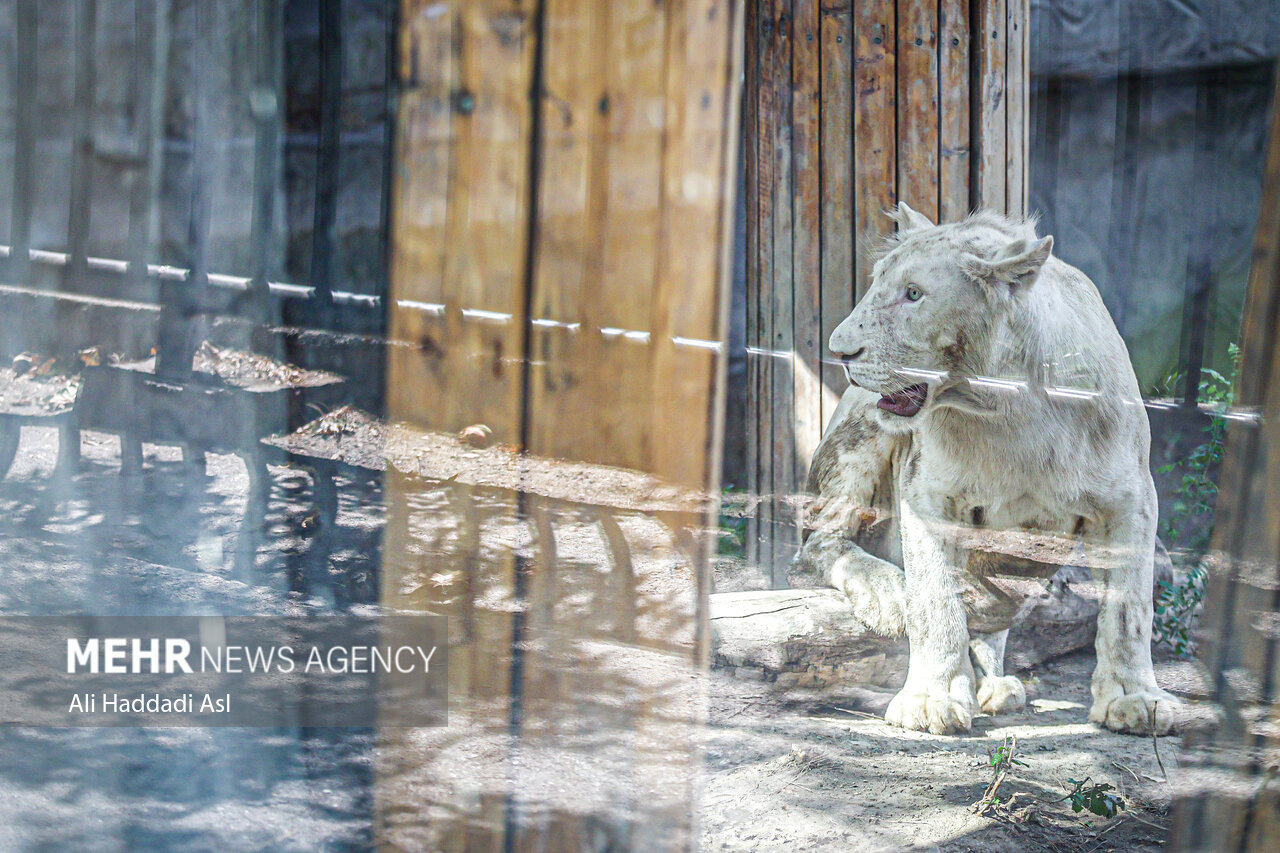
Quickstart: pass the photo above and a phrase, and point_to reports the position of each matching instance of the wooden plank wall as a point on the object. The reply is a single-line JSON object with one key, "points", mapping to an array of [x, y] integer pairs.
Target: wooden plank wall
{"points": [[1228, 801], [851, 106], [559, 272]]}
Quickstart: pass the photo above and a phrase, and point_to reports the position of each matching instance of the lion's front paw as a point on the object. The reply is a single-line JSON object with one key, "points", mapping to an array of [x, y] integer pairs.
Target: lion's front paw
{"points": [[877, 592], [1001, 695], [1135, 712], [927, 711]]}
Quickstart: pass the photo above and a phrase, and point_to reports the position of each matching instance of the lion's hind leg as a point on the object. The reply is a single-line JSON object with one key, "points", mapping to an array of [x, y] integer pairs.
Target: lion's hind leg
{"points": [[997, 693]]}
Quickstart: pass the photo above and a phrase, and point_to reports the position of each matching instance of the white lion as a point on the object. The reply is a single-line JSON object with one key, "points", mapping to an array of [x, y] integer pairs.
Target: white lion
{"points": [[988, 388]]}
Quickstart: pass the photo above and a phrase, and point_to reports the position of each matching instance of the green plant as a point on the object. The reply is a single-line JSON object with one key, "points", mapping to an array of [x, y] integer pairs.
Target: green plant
{"points": [[732, 530], [1084, 796], [1196, 494], [1095, 799], [1001, 760]]}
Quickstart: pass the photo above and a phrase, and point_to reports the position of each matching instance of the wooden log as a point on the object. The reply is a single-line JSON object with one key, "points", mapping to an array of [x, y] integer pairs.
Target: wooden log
{"points": [[814, 634]]}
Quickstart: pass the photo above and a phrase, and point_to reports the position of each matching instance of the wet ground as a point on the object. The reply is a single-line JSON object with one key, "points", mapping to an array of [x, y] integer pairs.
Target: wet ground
{"points": [[167, 542]]}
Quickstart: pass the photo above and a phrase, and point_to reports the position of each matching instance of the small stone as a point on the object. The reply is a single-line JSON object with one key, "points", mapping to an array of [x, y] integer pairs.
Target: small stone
{"points": [[476, 435]]}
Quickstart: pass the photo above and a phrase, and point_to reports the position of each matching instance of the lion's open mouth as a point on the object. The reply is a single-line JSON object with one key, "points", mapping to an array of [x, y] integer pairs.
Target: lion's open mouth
{"points": [[906, 402]]}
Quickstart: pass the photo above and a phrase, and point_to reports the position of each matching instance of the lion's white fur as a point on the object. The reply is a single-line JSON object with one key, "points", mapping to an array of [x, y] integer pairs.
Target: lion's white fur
{"points": [[1032, 419]]}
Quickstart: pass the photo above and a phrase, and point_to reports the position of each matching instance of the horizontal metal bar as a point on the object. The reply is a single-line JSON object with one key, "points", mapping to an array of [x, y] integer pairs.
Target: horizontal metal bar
{"points": [[165, 272]]}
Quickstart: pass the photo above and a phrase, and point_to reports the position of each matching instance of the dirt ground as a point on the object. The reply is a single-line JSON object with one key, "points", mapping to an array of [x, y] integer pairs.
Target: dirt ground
{"points": [[800, 771], [781, 770]]}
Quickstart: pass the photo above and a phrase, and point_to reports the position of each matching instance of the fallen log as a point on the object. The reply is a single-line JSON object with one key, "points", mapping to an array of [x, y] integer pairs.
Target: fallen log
{"points": [[810, 637]]}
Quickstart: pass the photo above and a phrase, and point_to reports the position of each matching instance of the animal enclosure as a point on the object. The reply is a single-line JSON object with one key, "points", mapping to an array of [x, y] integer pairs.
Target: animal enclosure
{"points": [[850, 108]]}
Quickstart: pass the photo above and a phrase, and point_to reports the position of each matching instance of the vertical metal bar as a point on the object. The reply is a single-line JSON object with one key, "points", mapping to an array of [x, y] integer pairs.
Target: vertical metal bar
{"points": [[324, 224], [1131, 95], [24, 96], [150, 84], [83, 18], [201, 150], [1199, 281], [265, 102], [175, 338], [392, 94]]}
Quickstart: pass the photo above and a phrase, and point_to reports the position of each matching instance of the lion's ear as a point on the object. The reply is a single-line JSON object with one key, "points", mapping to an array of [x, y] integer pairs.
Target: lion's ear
{"points": [[1016, 265], [908, 218]]}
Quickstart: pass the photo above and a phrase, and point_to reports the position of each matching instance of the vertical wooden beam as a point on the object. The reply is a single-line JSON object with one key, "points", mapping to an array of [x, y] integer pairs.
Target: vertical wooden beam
{"points": [[875, 126], [266, 104], [989, 181], [761, 117], [84, 29], [25, 86], [151, 83], [1018, 112], [838, 242], [806, 200], [782, 294], [953, 110], [697, 192], [459, 236], [917, 137], [324, 234]]}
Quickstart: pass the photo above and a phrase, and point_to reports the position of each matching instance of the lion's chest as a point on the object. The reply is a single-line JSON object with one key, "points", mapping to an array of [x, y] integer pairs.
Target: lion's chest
{"points": [[994, 490], [991, 524]]}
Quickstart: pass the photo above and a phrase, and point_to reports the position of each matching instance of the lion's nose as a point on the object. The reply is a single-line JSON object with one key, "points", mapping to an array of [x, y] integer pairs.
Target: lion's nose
{"points": [[853, 356]]}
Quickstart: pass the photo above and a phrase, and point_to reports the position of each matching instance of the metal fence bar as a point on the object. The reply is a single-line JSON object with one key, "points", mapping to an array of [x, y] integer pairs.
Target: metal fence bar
{"points": [[201, 149], [324, 224], [175, 338], [266, 115], [83, 19], [1203, 246], [150, 84], [25, 81], [391, 91]]}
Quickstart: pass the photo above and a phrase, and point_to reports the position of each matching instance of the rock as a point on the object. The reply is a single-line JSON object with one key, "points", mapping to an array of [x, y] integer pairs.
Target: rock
{"points": [[476, 435]]}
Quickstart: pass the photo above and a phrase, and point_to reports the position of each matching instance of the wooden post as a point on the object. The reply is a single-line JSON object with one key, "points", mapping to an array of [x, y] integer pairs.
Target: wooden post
{"points": [[924, 102], [559, 273], [1227, 799]]}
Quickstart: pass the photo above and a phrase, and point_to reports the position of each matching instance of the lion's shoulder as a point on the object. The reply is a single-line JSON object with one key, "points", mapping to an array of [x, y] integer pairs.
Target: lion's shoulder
{"points": [[855, 452]]}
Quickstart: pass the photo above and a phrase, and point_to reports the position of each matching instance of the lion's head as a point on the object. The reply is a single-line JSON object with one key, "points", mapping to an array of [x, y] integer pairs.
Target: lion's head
{"points": [[940, 295]]}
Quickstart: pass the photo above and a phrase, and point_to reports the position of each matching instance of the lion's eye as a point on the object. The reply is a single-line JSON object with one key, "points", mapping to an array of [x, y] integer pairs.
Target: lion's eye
{"points": [[914, 293]]}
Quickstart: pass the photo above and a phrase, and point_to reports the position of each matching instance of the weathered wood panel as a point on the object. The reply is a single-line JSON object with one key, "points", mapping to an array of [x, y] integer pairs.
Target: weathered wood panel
{"points": [[920, 101], [806, 304], [1017, 117], [559, 260], [875, 167], [459, 237], [918, 92], [953, 110], [837, 270], [990, 101]]}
